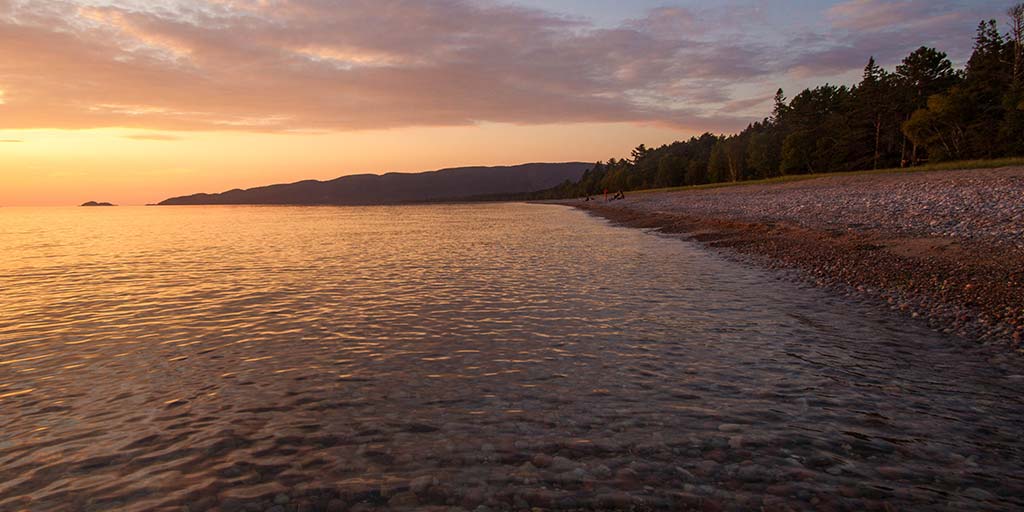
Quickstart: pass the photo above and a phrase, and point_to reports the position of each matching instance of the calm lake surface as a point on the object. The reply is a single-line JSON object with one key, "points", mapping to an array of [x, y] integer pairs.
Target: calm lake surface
{"points": [[501, 355]]}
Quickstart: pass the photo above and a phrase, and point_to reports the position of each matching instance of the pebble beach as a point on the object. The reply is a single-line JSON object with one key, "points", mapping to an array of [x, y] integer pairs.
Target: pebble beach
{"points": [[945, 247]]}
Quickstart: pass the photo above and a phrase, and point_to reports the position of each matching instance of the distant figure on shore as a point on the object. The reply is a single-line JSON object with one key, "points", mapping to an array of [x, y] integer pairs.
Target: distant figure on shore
{"points": [[619, 195]]}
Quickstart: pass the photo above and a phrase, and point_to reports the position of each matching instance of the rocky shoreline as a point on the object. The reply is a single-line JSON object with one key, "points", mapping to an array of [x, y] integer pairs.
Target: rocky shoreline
{"points": [[946, 247]]}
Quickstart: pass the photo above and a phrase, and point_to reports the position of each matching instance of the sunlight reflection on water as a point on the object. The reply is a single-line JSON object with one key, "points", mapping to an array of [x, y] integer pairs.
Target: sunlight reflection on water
{"points": [[215, 356]]}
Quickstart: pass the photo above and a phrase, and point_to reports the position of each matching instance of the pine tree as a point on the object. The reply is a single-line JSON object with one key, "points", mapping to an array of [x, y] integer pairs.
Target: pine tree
{"points": [[638, 153], [1016, 14], [986, 83], [1011, 132], [718, 164], [780, 107], [871, 106], [926, 71]]}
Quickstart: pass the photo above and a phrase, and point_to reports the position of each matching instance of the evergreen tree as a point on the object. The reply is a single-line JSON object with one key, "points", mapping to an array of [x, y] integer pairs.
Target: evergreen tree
{"points": [[670, 171], [735, 157], [638, 153], [764, 150], [1011, 131], [924, 110], [779, 111], [872, 111], [1016, 14], [985, 85], [926, 71], [807, 147], [718, 164]]}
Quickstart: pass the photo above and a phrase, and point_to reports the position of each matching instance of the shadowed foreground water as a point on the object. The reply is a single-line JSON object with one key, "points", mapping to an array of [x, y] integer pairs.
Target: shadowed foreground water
{"points": [[505, 356]]}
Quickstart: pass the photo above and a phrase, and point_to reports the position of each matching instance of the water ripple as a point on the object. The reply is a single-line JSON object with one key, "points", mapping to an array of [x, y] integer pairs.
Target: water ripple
{"points": [[507, 355]]}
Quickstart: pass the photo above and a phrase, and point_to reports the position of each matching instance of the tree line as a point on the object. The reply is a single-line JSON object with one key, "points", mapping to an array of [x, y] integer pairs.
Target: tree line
{"points": [[923, 111]]}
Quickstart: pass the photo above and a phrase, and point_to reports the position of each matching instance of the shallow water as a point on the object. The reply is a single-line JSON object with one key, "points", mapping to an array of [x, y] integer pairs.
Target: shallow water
{"points": [[504, 355]]}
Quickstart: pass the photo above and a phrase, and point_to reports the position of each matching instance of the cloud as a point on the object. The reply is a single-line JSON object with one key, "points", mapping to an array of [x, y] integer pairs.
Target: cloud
{"points": [[873, 15], [11, 140], [745, 104], [668, 22], [887, 30], [286, 65], [153, 136]]}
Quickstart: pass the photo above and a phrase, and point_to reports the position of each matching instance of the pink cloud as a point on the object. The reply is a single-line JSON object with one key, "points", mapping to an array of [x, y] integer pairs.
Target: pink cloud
{"points": [[870, 15], [887, 30], [276, 65]]}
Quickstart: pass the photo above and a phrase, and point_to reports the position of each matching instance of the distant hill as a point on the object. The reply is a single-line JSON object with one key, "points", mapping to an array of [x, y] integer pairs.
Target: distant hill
{"points": [[94, 203], [392, 188]]}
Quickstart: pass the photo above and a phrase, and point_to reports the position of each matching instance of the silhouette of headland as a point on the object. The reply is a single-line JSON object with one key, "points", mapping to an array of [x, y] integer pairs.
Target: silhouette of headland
{"points": [[395, 188]]}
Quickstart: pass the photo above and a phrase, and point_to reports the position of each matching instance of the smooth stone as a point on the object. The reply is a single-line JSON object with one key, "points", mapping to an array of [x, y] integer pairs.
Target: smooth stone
{"points": [[403, 499], [614, 500], [978, 494], [718, 442], [819, 461], [687, 476], [780, 490], [627, 479], [392, 485], [706, 467], [473, 497], [716, 455], [751, 473], [542, 460], [519, 503], [562, 464], [601, 471], [420, 484]]}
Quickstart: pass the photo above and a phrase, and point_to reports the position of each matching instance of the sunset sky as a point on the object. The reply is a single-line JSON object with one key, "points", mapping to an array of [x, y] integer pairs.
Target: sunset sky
{"points": [[126, 102]]}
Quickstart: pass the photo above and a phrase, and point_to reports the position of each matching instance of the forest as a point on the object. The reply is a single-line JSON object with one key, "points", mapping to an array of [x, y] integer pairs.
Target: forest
{"points": [[924, 111]]}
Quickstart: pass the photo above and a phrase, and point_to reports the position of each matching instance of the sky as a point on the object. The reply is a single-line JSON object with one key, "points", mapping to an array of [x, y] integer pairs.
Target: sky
{"points": [[135, 101]]}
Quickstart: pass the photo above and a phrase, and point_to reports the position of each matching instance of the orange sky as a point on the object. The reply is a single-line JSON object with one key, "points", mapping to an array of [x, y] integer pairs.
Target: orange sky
{"points": [[131, 101], [127, 166]]}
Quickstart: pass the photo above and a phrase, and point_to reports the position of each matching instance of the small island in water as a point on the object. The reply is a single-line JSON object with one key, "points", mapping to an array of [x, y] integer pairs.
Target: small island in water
{"points": [[94, 203]]}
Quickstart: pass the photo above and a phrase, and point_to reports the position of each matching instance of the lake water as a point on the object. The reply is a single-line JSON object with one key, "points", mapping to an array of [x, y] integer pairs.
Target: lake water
{"points": [[501, 355]]}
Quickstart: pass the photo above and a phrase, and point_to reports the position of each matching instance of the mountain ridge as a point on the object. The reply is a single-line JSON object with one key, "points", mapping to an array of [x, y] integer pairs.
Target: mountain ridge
{"points": [[396, 187]]}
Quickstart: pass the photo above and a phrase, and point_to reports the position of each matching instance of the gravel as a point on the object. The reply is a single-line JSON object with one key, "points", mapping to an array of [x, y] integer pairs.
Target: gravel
{"points": [[943, 247], [978, 205]]}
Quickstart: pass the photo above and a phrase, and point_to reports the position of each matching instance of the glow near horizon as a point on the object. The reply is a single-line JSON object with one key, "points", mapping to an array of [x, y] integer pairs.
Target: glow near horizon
{"points": [[599, 86], [155, 169]]}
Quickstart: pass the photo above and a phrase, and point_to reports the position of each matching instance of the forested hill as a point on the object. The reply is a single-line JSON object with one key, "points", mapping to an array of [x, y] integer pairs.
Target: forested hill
{"points": [[924, 110], [365, 189]]}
